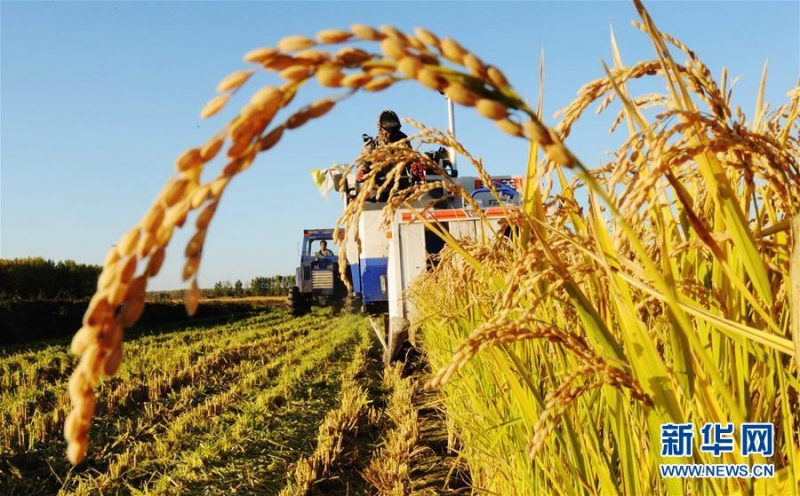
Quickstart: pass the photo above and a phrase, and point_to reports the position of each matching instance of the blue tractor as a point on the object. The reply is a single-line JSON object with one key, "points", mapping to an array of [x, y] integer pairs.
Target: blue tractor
{"points": [[317, 278]]}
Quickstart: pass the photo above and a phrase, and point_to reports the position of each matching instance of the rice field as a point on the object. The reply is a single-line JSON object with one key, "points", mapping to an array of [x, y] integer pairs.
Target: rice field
{"points": [[266, 404], [653, 290]]}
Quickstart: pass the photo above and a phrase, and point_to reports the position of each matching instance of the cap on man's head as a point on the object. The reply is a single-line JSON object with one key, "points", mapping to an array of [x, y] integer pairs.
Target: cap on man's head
{"points": [[389, 121]]}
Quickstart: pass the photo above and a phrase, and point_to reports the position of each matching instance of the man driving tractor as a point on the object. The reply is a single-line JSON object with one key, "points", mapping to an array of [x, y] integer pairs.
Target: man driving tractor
{"points": [[323, 250]]}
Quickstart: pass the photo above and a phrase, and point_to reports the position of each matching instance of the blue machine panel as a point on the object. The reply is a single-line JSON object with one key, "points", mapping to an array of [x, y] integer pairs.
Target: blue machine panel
{"points": [[356, 273], [373, 279]]}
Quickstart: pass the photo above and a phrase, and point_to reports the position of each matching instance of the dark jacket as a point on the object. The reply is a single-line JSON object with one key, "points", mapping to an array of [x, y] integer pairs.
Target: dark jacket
{"points": [[387, 134]]}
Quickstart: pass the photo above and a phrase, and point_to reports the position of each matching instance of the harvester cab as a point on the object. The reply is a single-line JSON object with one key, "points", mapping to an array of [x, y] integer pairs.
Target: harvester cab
{"points": [[317, 280]]}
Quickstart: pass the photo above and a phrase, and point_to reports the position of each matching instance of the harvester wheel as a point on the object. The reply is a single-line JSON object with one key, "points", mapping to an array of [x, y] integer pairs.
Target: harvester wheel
{"points": [[353, 305]]}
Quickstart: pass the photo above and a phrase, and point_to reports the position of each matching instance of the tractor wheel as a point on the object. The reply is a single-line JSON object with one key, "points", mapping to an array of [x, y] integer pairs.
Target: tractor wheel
{"points": [[336, 307], [297, 303]]}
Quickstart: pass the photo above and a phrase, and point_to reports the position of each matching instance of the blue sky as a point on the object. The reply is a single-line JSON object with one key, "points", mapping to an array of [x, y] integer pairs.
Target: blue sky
{"points": [[98, 98]]}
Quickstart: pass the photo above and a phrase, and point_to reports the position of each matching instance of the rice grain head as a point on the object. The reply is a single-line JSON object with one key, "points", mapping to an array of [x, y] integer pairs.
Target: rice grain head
{"points": [[356, 80], [259, 55], [453, 51], [332, 36], [214, 105], [366, 32], [491, 109], [234, 80], [295, 43], [330, 76], [189, 159], [427, 37], [409, 66], [379, 84], [459, 93]]}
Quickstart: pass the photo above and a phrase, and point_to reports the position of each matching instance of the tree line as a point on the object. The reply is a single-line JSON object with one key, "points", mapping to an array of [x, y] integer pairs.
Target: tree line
{"points": [[259, 286], [36, 278]]}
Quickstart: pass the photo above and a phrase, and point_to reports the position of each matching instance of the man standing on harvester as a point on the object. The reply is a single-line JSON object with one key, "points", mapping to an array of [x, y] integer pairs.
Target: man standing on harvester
{"points": [[388, 132]]}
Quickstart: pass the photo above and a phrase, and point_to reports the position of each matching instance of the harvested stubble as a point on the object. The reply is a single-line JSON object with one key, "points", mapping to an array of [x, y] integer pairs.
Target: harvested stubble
{"points": [[390, 469], [353, 406]]}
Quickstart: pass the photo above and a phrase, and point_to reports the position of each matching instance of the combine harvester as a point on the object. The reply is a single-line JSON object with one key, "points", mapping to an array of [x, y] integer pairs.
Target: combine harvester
{"points": [[384, 261]]}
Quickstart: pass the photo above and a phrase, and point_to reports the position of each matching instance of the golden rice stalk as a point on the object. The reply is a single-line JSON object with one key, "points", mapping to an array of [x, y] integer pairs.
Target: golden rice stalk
{"points": [[260, 55], [97, 311], [155, 262], [192, 298], [214, 105], [453, 51], [427, 37], [320, 108], [130, 311], [379, 84], [212, 147], [100, 345], [459, 93], [111, 366], [496, 77], [200, 196], [416, 44], [106, 276], [394, 33], [296, 72], [352, 57], [330, 76], [83, 338], [431, 79], [475, 65], [146, 243], [386, 68], [193, 262], [295, 43], [113, 256], [279, 62], [127, 243], [194, 248], [409, 66], [312, 56], [331, 36], [164, 234], [356, 80], [271, 139], [234, 80], [189, 159], [204, 218], [151, 221], [298, 119], [218, 185], [267, 97], [510, 127], [366, 32], [393, 48], [174, 192], [491, 109]]}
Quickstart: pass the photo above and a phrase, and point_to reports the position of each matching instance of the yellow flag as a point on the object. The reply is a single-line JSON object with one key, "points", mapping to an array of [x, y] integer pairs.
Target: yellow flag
{"points": [[318, 177]]}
